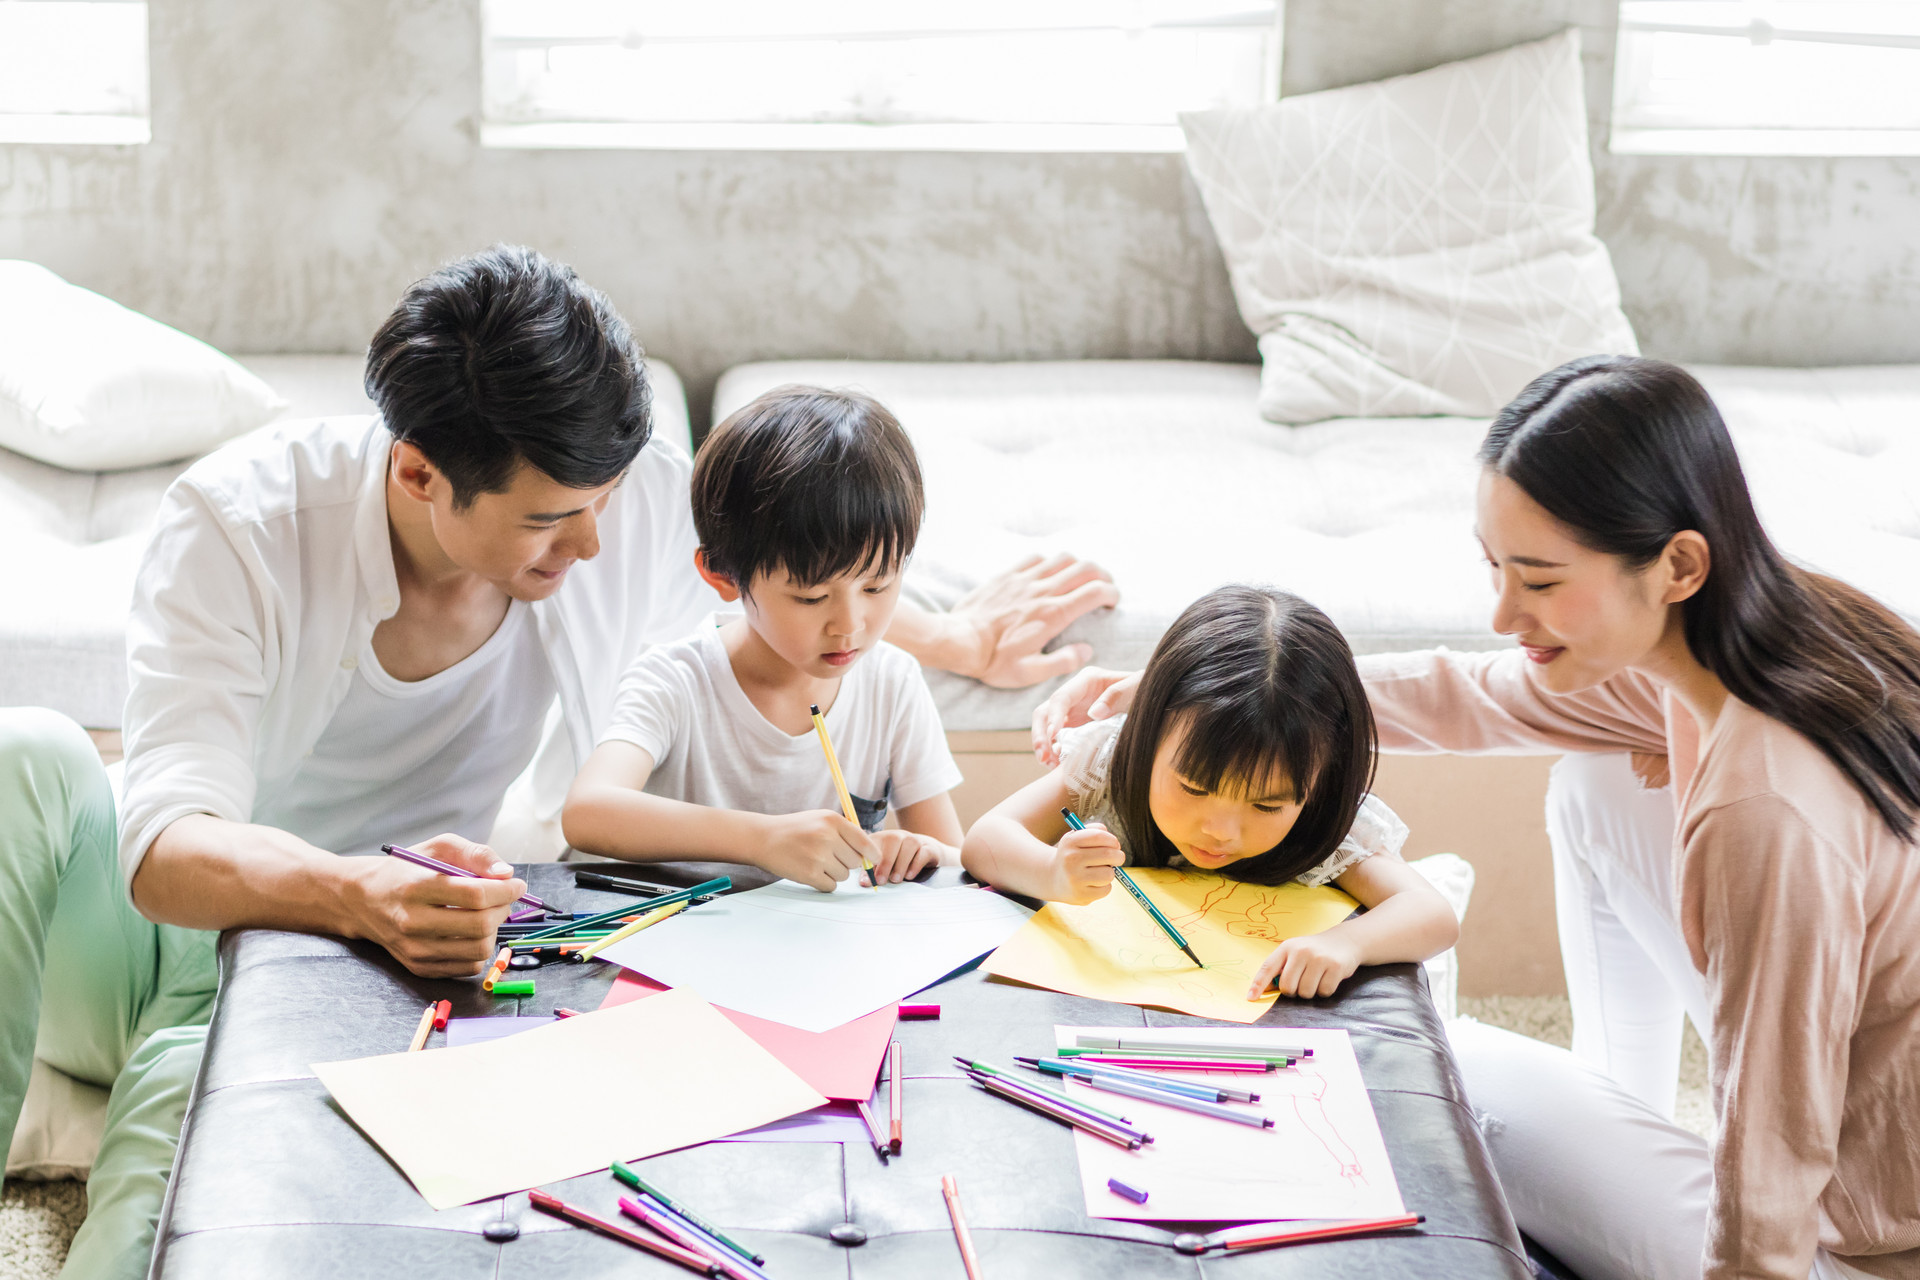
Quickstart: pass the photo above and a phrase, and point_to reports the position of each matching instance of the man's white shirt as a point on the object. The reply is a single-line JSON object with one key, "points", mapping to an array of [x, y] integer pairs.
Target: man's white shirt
{"points": [[270, 566]]}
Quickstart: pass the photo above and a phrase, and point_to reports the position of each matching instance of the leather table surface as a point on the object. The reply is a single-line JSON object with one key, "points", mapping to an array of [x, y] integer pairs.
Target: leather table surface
{"points": [[273, 1180]]}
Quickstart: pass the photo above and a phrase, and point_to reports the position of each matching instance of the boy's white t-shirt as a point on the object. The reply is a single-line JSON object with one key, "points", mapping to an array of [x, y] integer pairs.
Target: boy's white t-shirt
{"points": [[682, 705]]}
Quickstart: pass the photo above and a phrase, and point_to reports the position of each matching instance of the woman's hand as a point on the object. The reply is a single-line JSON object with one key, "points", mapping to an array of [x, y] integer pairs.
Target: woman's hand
{"points": [[1307, 967], [1083, 863], [1094, 694]]}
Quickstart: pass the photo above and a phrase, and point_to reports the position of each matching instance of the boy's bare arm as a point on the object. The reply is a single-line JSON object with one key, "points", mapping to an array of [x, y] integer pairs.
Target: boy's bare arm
{"points": [[609, 815]]}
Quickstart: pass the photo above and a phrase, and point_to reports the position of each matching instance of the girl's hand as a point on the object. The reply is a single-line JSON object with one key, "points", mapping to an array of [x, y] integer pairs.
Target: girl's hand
{"points": [[1307, 967], [904, 855], [1083, 864]]}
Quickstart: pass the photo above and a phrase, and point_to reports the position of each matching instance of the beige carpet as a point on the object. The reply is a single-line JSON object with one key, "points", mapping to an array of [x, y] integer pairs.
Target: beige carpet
{"points": [[37, 1219]]}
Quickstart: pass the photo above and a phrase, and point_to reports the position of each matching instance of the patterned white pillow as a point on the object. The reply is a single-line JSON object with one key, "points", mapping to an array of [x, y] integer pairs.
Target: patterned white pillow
{"points": [[1422, 245]]}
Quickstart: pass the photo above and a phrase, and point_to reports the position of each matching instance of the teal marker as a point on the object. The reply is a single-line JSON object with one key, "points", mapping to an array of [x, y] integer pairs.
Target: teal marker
{"points": [[1146, 903]]}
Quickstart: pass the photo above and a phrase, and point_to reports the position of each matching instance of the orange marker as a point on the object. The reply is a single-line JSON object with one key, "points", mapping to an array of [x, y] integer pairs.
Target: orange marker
{"points": [[498, 967], [895, 1100], [961, 1236], [420, 1032]]}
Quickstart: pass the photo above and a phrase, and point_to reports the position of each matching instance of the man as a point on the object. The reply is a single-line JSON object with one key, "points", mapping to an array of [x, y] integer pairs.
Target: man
{"points": [[350, 632]]}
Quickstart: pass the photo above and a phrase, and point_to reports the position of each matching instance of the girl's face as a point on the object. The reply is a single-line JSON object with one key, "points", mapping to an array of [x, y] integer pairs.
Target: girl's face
{"points": [[1580, 615], [1212, 829]]}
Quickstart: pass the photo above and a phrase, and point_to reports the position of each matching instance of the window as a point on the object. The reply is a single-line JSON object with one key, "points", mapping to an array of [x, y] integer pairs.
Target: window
{"points": [[1791, 77], [990, 75], [73, 71]]}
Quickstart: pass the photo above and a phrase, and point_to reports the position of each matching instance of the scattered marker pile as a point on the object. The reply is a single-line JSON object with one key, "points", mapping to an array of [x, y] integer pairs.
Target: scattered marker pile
{"points": [[680, 1234]]}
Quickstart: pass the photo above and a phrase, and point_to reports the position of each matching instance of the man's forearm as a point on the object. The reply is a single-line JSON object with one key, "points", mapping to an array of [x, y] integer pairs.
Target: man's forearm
{"points": [[207, 873], [932, 638]]}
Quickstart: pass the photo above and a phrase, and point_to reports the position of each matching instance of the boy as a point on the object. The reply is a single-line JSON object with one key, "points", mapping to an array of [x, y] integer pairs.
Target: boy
{"points": [[807, 504]]}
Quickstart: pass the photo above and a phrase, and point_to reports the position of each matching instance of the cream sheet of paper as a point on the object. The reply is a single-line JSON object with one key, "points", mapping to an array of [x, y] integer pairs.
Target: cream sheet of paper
{"points": [[1323, 1158], [676, 1072], [1112, 950], [816, 960]]}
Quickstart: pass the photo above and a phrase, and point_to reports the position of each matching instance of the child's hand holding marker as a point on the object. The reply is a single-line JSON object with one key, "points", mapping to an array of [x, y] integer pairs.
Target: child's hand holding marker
{"points": [[1083, 863], [1307, 967], [818, 847]]}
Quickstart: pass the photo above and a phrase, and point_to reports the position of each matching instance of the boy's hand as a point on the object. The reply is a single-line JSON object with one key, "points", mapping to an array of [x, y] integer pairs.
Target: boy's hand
{"points": [[1083, 863], [818, 848], [904, 855], [1307, 967]]}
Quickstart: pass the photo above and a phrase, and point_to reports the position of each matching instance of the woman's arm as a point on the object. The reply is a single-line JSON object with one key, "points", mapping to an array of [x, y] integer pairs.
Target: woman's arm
{"points": [[1022, 844], [608, 814], [1406, 920]]}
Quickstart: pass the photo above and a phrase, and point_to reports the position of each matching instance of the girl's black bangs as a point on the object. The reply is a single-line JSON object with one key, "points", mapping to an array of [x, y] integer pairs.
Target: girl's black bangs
{"points": [[1231, 746]]}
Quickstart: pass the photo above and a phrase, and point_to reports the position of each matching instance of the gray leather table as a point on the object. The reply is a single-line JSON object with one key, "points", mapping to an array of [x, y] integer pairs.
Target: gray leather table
{"points": [[273, 1180]]}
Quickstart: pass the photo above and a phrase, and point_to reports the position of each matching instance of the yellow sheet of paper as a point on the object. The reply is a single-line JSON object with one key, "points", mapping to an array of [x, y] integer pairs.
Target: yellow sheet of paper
{"points": [[679, 1072], [1112, 950]]}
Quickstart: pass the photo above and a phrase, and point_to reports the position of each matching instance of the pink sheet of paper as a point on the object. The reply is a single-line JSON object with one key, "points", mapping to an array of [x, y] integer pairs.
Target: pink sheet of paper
{"points": [[840, 1063]]}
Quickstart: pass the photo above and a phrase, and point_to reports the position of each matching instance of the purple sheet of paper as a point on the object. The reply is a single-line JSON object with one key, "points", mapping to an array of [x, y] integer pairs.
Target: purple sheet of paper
{"points": [[480, 1030], [835, 1122]]}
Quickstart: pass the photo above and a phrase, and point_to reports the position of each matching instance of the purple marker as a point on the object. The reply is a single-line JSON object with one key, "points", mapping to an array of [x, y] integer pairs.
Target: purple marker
{"points": [[448, 869], [1120, 1188]]}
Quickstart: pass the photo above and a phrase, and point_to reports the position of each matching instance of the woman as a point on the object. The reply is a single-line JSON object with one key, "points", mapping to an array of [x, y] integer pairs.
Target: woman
{"points": [[1655, 617]]}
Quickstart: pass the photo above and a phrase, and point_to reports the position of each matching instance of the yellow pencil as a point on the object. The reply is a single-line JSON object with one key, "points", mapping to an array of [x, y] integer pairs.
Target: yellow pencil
{"points": [[588, 953], [840, 785], [420, 1032]]}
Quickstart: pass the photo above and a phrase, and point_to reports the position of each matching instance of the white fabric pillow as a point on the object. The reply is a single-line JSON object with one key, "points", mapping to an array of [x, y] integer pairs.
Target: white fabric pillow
{"points": [[1422, 245], [88, 385]]}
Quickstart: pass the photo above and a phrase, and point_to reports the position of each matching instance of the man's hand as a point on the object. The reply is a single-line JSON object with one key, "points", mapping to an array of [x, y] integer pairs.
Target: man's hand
{"points": [[1094, 694], [1083, 864], [1307, 967], [1001, 626], [818, 848], [904, 855], [438, 926]]}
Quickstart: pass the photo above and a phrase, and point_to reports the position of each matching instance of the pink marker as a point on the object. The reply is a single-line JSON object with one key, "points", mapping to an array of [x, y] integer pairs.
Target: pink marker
{"points": [[919, 1010]]}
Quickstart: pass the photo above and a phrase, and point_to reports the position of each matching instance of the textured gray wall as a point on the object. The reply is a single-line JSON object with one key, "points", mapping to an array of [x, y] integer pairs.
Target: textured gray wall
{"points": [[310, 160]]}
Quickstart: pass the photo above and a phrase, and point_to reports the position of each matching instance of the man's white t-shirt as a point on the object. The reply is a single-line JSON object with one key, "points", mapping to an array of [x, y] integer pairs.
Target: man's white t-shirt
{"points": [[682, 705], [404, 760]]}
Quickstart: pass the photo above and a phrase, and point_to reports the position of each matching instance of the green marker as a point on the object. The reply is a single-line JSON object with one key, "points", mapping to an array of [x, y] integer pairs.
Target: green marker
{"points": [[569, 928], [1126, 881], [638, 1183], [514, 987]]}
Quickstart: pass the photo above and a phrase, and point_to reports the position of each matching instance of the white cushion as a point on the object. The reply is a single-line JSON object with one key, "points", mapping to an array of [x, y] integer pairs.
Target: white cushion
{"points": [[89, 385], [61, 1120], [1422, 245], [1164, 472]]}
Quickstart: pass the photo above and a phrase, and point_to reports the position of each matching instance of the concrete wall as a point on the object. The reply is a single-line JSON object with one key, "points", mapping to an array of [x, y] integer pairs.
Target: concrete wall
{"points": [[310, 160]]}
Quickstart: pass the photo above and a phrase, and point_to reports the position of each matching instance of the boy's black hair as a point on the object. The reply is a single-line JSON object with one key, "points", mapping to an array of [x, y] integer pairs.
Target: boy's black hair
{"points": [[818, 483], [1266, 689], [505, 357]]}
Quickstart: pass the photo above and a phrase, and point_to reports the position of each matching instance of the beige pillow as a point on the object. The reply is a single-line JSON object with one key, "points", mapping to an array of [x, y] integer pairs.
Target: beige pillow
{"points": [[1422, 245]]}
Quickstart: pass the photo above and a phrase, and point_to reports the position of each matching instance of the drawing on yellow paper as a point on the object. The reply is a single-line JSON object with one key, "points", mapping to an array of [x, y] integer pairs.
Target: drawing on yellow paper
{"points": [[1112, 950]]}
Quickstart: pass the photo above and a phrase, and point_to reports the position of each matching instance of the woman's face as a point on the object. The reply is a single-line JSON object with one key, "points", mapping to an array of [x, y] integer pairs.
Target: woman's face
{"points": [[1212, 829], [1580, 615]]}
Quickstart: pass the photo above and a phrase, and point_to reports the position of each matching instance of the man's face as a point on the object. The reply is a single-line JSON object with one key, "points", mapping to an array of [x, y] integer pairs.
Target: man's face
{"points": [[523, 539]]}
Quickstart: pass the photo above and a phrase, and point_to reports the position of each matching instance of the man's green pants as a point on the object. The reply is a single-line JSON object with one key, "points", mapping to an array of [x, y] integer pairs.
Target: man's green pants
{"points": [[89, 985]]}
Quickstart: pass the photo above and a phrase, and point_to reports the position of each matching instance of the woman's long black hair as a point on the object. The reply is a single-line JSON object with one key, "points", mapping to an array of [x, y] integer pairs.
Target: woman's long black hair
{"points": [[1626, 452], [1266, 689]]}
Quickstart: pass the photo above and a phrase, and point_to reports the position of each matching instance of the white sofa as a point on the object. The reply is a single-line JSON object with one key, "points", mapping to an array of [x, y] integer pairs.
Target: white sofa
{"points": [[1165, 473]]}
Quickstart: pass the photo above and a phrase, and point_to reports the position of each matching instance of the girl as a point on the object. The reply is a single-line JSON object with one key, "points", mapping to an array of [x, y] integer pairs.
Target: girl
{"points": [[1248, 752]]}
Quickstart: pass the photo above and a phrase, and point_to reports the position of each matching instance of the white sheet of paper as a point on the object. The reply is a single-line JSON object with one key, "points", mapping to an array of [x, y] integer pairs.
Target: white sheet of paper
{"points": [[817, 960], [1324, 1157], [678, 1071]]}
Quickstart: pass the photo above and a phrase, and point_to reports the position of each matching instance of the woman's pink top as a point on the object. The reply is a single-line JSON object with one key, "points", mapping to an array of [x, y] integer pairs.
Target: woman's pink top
{"points": [[1801, 909]]}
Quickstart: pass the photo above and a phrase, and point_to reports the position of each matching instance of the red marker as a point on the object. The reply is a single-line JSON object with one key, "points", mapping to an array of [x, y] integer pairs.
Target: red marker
{"points": [[1300, 1234], [919, 1010], [441, 1012], [566, 1013]]}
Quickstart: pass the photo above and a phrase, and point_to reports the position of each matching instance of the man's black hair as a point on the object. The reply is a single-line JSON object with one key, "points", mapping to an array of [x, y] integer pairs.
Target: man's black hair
{"points": [[818, 483], [506, 357]]}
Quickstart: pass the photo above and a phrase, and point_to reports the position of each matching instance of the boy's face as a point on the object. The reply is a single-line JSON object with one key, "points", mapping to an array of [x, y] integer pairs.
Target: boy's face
{"points": [[819, 628]]}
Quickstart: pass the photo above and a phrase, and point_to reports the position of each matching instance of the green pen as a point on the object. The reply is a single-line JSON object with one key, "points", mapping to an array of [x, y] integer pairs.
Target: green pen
{"points": [[1146, 903], [570, 928], [626, 1174]]}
